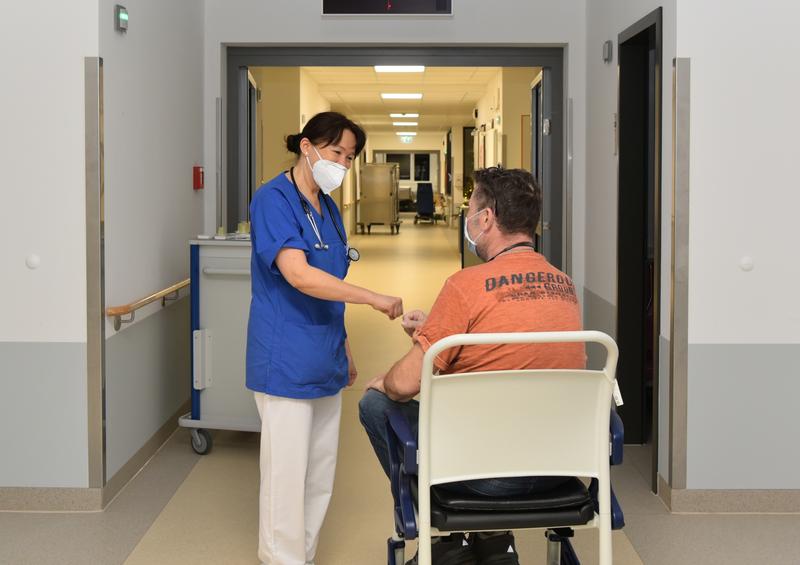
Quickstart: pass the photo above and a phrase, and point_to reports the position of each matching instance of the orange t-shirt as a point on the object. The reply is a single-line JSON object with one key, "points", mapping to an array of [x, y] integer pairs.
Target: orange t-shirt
{"points": [[516, 292]]}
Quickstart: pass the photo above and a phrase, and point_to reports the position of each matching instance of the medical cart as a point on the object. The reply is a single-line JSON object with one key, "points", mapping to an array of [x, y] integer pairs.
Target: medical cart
{"points": [[220, 305]]}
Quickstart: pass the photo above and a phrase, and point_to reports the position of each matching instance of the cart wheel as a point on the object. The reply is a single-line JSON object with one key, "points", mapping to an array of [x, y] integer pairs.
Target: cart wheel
{"points": [[201, 441]]}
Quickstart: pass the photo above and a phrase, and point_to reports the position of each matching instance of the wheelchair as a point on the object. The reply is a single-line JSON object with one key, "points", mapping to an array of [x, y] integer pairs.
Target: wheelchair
{"points": [[517, 406]]}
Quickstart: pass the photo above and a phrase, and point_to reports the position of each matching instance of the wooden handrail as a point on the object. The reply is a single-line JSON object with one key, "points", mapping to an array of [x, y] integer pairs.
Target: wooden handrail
{"points": [[117, 312]]}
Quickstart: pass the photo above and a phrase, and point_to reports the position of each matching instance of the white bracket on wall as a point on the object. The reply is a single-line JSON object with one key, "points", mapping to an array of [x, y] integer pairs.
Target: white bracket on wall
{"points": [[201, 359]]}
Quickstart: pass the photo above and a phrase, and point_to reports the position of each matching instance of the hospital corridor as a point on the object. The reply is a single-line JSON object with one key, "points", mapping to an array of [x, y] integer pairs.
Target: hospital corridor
{"points": [[185, 508], [407, 282]]}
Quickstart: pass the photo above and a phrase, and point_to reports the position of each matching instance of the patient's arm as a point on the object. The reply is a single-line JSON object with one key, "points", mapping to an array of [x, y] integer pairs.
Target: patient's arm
{"points": [[402, 381]]}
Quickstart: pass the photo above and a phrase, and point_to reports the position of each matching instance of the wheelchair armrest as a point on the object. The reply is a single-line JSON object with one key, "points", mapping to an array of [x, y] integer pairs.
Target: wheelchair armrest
{"points": [[617, 438], [399, 431]]}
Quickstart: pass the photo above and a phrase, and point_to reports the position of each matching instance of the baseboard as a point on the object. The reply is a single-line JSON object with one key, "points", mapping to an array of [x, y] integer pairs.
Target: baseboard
{"points": [[722, 501], [46, 499]]}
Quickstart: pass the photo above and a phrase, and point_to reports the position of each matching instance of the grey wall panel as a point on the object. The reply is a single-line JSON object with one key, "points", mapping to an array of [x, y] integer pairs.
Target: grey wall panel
{"points": [[663, 407], [48, 447], [147, 380], [601, 315], [742, 420]]}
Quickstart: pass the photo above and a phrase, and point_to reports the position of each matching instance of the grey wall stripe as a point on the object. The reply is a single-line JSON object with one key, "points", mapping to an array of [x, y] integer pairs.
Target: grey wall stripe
{"points": [[147, 380], [47, 448]]}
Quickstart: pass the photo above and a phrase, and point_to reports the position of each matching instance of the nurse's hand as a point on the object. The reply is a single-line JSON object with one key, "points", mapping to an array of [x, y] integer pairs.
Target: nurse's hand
{"points": [[353, 371], [412, 320], [392, 306]]}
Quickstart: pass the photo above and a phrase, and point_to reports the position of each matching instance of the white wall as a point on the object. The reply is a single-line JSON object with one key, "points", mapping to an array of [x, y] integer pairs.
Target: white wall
{"points": [[311, 101], [516, 104], [153, 137], [475, 21], [489, 107], [458, 164], [606, 21], [744, 188], [42, 169], [744, 326], [153, 93], [278, 116]]}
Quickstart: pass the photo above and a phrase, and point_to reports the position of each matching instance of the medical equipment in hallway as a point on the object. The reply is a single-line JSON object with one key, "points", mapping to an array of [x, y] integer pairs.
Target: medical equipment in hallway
{"points": [[379, 203], [220, 294]]}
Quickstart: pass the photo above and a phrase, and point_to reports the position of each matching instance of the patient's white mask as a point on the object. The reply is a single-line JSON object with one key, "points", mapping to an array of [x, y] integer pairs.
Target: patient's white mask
{"points": [[327, 174], [472, 244]]}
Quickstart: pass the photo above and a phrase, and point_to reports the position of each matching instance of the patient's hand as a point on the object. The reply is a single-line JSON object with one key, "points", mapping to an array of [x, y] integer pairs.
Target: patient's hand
{"points": [[376, 383], [412, 320]]}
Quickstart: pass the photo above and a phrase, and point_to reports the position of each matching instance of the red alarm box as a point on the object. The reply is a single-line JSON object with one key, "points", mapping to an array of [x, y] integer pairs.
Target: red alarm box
{"points": [[198, 177]]}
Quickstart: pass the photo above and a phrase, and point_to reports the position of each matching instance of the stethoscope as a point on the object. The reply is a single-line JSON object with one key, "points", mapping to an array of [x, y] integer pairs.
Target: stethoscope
{"points": [[351, 252]]}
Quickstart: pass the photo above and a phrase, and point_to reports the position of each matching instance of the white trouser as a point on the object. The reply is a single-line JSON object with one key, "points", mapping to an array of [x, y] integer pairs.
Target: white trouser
{"points": [[299, 441]]}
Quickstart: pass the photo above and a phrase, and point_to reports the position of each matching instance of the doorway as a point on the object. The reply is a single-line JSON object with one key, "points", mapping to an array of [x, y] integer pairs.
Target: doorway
{"points": [[550, 59], [639, 226]]}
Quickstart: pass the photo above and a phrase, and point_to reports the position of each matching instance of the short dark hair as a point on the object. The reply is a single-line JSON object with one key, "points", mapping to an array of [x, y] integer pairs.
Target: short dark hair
{"points": [[327, 128], [513, 195]]}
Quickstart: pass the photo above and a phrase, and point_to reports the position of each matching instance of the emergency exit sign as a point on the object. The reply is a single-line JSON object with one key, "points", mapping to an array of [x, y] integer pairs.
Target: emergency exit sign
{"points": [[387, 7]]}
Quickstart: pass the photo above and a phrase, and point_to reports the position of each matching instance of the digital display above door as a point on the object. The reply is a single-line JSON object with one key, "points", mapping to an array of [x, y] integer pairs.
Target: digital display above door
{"points": [[387, 7]]}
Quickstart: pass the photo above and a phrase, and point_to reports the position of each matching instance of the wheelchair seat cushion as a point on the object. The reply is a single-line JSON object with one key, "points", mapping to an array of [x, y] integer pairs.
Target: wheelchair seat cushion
{"points": [[569, 504], [566, 495]]}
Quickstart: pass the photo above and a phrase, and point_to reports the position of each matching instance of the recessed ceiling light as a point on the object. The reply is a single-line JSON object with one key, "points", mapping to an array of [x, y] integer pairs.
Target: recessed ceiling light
{"points": [[404, 115], [399, 68], [405, 123], [406, 133], [401, 95]]}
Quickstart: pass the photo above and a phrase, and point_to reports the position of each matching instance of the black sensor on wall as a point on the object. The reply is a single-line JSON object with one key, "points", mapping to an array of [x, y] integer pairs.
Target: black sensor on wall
{"points": [[371, 7]]}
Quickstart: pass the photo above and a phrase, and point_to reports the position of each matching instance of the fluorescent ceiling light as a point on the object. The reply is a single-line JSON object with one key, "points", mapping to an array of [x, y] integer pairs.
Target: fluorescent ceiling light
{"points": [[401, 95], [406, 133], [399, 68], [404, 115], [405, 123]]}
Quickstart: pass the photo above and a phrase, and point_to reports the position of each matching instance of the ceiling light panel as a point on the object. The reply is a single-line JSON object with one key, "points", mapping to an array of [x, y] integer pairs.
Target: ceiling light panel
{"points": [[405, 124], [406, 133], [399, 68], [404, 115], [401, 95]]}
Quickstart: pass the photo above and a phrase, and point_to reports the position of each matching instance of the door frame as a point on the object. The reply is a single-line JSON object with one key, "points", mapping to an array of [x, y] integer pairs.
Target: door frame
{"points": [[550, 59], [652, 20]]}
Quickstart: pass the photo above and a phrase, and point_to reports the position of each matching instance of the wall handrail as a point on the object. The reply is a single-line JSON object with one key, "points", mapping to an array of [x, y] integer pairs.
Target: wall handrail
{"points": [[166, 295]]}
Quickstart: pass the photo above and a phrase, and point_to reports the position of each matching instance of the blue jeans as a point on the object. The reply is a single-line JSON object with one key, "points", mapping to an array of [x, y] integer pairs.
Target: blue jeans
{"points": [[372, 412]]}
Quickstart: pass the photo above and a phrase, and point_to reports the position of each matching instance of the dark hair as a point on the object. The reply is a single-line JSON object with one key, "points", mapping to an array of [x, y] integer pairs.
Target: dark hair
{"points": [[513, 195], [326, 128]]}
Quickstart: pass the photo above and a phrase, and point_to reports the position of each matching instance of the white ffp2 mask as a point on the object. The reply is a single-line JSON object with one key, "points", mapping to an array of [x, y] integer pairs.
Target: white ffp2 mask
{"points": [[327, 174]]}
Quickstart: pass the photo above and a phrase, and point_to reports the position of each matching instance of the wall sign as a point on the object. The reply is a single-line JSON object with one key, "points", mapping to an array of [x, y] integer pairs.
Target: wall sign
{"points": [[387, 7]]}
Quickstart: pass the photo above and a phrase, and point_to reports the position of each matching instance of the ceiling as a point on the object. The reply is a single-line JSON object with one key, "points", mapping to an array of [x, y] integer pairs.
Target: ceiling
{"points": [[449, 94]]}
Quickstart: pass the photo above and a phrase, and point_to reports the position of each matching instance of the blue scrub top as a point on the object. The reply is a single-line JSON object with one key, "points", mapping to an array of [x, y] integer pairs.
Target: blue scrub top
{"points": [[295, 343]]}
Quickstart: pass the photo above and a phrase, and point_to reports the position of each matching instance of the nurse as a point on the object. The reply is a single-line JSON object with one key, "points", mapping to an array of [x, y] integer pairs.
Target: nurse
{"points": [[298, 356]]}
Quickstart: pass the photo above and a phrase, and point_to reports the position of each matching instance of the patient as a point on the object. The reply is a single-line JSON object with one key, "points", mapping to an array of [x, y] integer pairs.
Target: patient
{"points": [[515, 290]]}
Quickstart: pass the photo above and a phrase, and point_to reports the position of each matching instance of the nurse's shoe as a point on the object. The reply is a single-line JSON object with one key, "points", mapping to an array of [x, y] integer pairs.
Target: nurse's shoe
{"points": [[451, 550]]}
